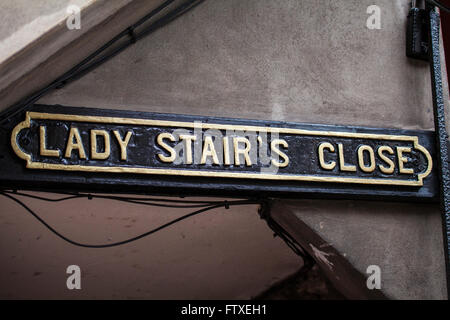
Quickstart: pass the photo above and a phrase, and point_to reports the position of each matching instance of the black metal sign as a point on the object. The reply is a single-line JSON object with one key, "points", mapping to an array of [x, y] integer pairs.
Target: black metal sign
{"points": [[53, 147]]}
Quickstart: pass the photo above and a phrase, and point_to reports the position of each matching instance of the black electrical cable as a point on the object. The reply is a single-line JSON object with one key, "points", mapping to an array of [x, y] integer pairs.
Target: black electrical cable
{"points": [[264, 212], [134, 37], [109, 245], [122, 199], [287, 238], [135, 200], [93, 60], [42, 198], [204, 205], [115, 39]]}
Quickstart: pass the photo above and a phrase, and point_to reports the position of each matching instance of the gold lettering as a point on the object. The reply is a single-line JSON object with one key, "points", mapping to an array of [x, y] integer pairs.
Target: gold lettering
{"points": [[245, 152], [390, 169], [274, 146], [327, 166], [44, 151], [342, 165], [209, 151], [165, 146], [78, 145], [123, 144], [402, 160], [226, 151], [362, 165], [94, 153], [188, 146]]}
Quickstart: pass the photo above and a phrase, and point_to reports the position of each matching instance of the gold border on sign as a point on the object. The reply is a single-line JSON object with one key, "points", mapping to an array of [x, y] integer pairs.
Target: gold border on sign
{"points": [[217, 174]]}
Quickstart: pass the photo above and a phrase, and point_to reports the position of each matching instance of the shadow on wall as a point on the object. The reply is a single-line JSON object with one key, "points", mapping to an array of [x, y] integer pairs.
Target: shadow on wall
{"points": [[306, 284]]}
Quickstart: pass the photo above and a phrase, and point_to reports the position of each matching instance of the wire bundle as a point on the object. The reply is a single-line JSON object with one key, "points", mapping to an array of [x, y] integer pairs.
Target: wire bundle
{"points": [[203, 205]]}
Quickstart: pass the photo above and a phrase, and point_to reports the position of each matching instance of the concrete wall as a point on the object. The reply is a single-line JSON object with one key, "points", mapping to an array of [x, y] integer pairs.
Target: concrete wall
{"points": [[307, 61]]}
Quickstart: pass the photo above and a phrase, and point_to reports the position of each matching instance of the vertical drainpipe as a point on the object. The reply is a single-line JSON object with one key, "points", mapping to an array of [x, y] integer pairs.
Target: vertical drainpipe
{"points": [[440, 132]]}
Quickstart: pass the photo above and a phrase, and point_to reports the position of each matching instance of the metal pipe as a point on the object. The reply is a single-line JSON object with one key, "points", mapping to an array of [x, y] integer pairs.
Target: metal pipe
{"points": [[440, 132]]}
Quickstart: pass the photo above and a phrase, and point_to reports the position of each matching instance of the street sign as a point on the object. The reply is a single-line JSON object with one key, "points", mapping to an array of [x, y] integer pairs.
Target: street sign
{"points": [[55, 147]]}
